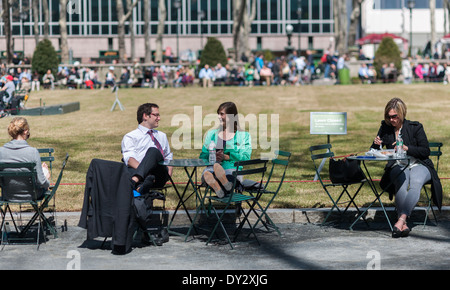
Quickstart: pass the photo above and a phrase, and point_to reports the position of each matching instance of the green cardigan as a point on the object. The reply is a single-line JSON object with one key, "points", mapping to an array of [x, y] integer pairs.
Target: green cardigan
{"points": [[239, 148]]}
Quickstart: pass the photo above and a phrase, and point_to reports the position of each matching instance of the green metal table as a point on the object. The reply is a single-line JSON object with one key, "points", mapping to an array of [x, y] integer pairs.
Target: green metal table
{"points": [[190, 167], [371, 183]]}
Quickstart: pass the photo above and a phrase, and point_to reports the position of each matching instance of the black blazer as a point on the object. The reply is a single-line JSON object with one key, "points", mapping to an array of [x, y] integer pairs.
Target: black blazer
{"points": [[107, 207], [415, 138]]}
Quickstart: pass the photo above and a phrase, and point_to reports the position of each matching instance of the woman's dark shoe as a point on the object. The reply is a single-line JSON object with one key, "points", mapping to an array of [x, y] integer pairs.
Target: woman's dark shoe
{"points": [[405, 233], [396, 232]]}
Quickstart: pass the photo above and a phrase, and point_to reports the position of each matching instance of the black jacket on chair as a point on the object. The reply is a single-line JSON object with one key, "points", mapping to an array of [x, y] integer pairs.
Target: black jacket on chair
{"points": [[107, 207], [414, 137]]}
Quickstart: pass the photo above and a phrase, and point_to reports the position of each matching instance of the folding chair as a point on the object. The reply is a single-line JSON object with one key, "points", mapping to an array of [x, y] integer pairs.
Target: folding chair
{"points": [[44, 203], [15, 171], [319, 157], [271, 187], [435, 151], [256, 167]]}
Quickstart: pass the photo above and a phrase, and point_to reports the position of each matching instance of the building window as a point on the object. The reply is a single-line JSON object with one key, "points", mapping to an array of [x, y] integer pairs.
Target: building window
{"points": [[99, 17]]}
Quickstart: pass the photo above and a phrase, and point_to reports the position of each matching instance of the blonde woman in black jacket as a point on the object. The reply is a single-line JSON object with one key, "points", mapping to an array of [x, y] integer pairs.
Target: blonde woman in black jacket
{"points": [[407, 185]]}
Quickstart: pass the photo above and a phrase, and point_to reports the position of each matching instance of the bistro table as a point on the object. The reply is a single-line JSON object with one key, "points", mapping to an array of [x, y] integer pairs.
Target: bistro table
{"points": [[187, 164], [364, 159]]}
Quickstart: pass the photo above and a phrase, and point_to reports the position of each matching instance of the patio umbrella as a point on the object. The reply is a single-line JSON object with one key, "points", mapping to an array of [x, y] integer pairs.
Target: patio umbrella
{"points": [[376, 38]]}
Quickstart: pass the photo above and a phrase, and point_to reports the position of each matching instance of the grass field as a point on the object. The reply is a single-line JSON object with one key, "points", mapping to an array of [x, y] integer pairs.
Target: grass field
{"points": [[96, 132]]}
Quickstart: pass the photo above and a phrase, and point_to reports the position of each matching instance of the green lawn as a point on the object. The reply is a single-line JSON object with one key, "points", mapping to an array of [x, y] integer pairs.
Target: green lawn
{"points": [[96, 132]]}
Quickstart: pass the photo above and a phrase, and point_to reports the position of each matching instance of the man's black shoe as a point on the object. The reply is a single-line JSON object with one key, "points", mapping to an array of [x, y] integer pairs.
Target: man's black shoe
{"points": [[164, 235]]}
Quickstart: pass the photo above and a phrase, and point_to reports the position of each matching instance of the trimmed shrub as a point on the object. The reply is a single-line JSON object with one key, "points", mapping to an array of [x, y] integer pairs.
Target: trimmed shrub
{"points": [[386, 53], [213, 53], [45, 58]]}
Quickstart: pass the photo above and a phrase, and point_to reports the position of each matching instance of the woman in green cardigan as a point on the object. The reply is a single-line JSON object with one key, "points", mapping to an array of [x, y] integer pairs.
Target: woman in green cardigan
{"points": [[232, 144]]}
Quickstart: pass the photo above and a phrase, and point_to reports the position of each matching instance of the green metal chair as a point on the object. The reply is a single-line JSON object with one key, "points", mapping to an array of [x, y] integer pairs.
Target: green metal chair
{"points": [[11, 171], [219, 206], [319, 155], [271, 187], [436, 152], [44, 203]]}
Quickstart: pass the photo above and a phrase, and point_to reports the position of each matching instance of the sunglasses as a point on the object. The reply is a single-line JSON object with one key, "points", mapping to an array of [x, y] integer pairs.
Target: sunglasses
{"points": [[390, 117]]}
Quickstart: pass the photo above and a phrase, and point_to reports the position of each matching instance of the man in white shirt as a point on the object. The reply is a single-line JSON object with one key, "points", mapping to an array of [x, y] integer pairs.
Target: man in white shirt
{"points": [[144, 148]]}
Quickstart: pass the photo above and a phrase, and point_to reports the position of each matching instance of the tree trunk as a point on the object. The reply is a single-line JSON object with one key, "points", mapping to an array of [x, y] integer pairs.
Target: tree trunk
{"points": [[46, 18], [340, 25], [238, 15], [121, 26], [7, 29], [160, 32], [433, 26], [36, 21], [148, 52], [132, 34], [354, 21], [63, 31], [247, 28]]}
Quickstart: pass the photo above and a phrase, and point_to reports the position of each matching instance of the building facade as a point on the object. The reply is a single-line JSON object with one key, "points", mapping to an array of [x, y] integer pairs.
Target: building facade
{"points": [[92, 25], [394, 16]]}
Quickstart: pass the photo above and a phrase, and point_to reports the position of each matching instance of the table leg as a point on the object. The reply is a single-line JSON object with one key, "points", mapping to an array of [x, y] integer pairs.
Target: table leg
{"points": [[378, 196], [181, 198]]}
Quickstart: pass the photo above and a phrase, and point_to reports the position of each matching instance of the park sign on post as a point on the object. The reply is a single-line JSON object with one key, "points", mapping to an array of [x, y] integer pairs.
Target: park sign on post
{"points": [[328, 123]]}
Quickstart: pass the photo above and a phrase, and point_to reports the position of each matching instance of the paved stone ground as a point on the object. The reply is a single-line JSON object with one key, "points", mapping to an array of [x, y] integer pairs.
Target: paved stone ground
{"points": [[303, 245]]}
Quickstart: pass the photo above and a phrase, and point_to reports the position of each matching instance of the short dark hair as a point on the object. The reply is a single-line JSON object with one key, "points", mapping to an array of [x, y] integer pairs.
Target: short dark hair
{"points": [[145, 109]]}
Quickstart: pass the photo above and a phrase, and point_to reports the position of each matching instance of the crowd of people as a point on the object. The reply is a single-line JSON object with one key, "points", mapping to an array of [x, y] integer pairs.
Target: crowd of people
{"points": [[411, 70], [283, 70]]}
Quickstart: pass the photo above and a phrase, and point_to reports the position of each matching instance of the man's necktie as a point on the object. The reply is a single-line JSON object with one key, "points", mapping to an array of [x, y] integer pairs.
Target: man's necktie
{"points": [[157, 144]]}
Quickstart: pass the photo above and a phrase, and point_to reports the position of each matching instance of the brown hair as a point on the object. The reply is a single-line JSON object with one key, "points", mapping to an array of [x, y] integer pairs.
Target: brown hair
{"points": [[18, 126], [399, 106], [230, 109]]}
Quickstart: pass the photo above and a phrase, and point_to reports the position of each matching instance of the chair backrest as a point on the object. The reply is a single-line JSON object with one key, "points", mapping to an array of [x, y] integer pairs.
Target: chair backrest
{"points": [[320, 152], [47, 156], [282, 159], [58, 181], [18, 181], [435, 150]]}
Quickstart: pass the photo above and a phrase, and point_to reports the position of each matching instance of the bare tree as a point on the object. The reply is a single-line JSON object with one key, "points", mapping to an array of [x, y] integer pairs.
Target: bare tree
{"points": [[238, 16], [46, 17], [121, 25], [131, 29], [63, 31], [244, 12], [340, 25], [445, 5], [160, 31], [6, 4], [148, 56], [36, 21], [433, 26], [354, 21]]}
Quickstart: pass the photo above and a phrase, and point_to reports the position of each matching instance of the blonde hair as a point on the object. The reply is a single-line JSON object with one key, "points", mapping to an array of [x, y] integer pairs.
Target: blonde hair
{"points": [[18, 126], [399, 106]]}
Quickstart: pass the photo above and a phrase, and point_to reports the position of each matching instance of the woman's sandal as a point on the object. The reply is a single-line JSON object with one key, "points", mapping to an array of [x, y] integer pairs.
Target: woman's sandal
{"points": [[406, 231], [397, 233]]}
